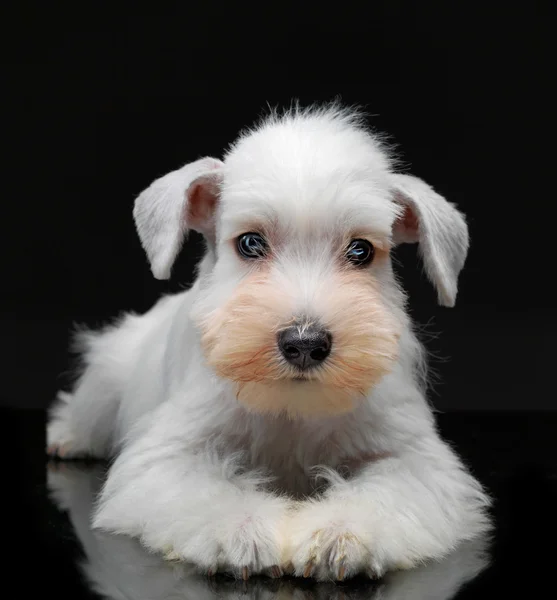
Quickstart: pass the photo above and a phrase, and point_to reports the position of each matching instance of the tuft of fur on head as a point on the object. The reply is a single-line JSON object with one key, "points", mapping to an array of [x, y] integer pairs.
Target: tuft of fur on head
{"points": [[320, 124], [349, 117], [240, 344], [332, 115]]}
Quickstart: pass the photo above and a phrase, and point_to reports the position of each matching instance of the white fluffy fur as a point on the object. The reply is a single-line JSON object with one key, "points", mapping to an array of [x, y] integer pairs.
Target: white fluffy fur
{"points": [[198, 476]]}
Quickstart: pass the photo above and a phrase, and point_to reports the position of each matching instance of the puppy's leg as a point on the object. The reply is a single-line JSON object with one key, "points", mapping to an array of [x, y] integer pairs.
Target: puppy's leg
{"points": [[191, 503], [394, 514], [82, 423]]}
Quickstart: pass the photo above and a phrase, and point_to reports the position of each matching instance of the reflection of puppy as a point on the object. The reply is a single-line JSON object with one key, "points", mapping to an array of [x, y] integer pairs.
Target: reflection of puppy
{"points": [[118, 567], [291, 355]]}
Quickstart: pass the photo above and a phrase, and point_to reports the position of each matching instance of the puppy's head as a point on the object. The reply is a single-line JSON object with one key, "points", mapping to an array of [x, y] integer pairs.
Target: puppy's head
{"points": [[297, 302]]}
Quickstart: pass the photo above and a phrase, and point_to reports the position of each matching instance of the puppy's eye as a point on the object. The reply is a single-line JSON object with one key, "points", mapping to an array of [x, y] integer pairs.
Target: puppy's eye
{"points": [[360, 252], [252, 245]]}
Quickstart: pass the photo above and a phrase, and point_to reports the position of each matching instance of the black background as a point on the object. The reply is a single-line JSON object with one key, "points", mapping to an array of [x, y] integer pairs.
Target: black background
{"points": [[99, 102]]}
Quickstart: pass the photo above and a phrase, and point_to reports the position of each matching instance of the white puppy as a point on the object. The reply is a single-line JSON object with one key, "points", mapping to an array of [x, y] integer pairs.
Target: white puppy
{"points": [[275, 413]]}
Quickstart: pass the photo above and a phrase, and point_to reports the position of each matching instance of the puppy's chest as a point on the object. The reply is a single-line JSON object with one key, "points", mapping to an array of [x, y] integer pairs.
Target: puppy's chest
{"points": [[292, 454], [289, 463]]}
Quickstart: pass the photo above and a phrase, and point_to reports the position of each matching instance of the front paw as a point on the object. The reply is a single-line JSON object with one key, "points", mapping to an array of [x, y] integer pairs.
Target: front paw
{"points": [[332, 552], [241, 539], [329, 542]]}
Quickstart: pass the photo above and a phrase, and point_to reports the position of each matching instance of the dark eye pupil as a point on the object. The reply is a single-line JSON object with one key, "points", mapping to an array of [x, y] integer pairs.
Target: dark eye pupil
{"points": [[252, 245], [360, 252]]}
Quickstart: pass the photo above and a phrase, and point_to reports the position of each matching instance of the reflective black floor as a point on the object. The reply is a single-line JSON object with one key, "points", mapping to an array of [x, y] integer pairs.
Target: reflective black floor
{"points": [[514, 454]]}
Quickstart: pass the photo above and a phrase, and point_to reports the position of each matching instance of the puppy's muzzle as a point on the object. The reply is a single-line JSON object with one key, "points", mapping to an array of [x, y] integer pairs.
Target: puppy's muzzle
{"points": [[304, 347]]}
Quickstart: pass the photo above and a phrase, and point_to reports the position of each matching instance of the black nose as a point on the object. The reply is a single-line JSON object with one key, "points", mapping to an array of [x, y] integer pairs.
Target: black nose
{"points": [[305, 347]]}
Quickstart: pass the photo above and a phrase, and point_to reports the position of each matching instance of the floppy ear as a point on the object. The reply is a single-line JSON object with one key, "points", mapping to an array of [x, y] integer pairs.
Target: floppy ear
{"points": [[439, 228], [181, 200]]}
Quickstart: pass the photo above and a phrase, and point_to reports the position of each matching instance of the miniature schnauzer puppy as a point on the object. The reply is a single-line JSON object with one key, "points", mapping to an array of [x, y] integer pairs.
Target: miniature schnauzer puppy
{"points": [[274, 416]]}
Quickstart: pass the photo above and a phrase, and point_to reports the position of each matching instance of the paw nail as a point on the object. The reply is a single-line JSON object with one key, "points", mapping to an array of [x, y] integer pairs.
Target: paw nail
{"points": [[276, 572], [245, 573], [289, 569], [309, 569], [341, 573]]}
